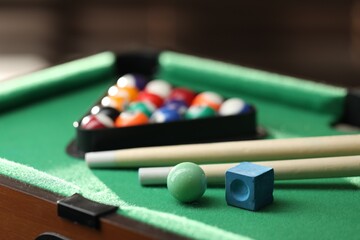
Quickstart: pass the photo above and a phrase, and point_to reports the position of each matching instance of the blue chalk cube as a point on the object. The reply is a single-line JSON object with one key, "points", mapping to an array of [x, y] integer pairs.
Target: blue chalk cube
{"points": [[249, 186]]}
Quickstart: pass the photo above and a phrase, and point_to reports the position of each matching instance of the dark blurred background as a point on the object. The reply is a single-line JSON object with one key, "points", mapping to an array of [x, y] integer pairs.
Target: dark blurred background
{"points": [[318, 40]]}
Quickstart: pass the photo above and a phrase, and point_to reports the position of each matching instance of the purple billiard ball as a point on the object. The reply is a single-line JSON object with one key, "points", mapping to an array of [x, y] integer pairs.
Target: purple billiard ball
{"points": [[137, 81]]}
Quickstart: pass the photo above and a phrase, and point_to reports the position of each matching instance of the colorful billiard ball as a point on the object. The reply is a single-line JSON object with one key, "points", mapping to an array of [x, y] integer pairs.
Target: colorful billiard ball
{"points": [[127, 93], [127, 119], [178, 105], [159, 88], [98, 121], [137, 81], [186, 182], [145, 107], [233, 106], [182, 94], [195, 112], [165, 114], [210, 99], [150, 97], [117, 103]]}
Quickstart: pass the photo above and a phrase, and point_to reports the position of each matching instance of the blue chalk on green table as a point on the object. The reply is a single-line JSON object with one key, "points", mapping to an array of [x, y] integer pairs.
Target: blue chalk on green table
{"points": [[249, 186]]}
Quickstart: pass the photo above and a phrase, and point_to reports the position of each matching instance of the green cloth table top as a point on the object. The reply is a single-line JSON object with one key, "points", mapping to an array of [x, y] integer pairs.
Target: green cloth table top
{"points": [[34, 137]]}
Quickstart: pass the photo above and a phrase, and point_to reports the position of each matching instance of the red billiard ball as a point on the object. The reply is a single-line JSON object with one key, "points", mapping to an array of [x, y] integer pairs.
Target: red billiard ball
{"points": [[150, 97], [182, 94], [98, 121]]}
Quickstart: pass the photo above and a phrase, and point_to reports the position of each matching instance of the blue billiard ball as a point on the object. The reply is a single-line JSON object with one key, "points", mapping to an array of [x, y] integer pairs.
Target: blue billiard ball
{"points": [[165, 114], [233, 106], [178, 105]]}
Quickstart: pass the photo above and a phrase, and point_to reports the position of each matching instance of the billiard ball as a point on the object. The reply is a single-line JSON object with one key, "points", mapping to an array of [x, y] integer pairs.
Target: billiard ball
{"points": [[179, 105], [127, 119], [210, 99], [127, 93], [117, 103], [159, 88], [145, 107], [233, 106], [150, 97], [186, 182], [165, 114], [98, 121], [132, 80], [195, 112], [109, 111], [182, 94]]}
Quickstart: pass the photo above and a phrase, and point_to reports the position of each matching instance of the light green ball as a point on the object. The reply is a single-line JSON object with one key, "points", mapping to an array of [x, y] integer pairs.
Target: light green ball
{"points": [[186, 182]]}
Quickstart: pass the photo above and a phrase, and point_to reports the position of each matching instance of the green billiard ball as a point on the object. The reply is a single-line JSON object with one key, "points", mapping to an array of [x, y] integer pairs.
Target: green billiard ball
{"points": [[186, 182], [144, 107], [195, 112]]}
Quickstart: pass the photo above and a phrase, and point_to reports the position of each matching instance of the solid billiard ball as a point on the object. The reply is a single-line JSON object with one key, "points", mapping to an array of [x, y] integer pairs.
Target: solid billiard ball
{"points": [[145, 107], [98, 121], [159, 88], [127, 93], [132, 80], [127, 119], [150, 97], [186, 182], [165, 114], [233, 106], [195, 112], [210, 99], [109, 111], [179, 105], [117, 103], [182, 94]]}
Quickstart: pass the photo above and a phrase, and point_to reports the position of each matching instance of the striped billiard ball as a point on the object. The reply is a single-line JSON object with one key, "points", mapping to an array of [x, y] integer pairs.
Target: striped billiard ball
{"points": [[210, 99], [159, 88], [195, 112], [233, 106]]}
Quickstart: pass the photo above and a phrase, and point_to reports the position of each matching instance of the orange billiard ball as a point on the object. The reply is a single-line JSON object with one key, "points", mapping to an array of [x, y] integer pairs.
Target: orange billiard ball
{"points": [[210, 99], [127, 119]]}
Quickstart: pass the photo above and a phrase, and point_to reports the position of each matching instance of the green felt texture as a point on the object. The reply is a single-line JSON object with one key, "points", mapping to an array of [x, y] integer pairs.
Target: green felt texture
{"points": [[36, 135], [216, 75], [56, 79]]}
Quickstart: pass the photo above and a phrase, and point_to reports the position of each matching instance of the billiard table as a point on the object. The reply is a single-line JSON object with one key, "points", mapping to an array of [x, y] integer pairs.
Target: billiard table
{"points": [[47, 193]]}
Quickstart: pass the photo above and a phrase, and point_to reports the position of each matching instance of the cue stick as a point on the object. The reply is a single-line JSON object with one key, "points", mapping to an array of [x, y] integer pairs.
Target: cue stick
{"points": [[347, 166], [237, 151]]}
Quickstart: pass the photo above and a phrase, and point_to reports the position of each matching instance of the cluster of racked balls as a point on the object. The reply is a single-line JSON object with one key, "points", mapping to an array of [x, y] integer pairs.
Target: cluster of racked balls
{"points": [[136, 101]]}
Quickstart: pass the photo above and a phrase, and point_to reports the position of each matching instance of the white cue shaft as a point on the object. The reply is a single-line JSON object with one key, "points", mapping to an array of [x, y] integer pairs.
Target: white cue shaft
{"points": [[347, 166], [254, 150]]}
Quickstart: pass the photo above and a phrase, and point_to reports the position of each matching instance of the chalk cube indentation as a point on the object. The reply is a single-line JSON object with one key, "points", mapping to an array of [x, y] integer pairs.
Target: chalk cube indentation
{"points": [[249, 186]]}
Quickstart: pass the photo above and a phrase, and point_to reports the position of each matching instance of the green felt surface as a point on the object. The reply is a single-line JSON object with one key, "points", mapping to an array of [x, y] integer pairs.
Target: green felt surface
{"points": [[36, 135]]}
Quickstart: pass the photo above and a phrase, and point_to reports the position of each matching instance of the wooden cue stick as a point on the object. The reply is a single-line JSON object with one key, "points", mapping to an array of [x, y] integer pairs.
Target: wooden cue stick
{"points": [[254, 150], [346, 166]]}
